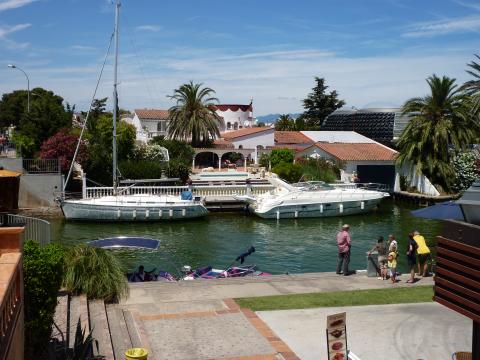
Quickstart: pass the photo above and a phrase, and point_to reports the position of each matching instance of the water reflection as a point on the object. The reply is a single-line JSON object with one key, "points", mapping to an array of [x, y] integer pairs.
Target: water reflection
{"points": [[293, 245]]}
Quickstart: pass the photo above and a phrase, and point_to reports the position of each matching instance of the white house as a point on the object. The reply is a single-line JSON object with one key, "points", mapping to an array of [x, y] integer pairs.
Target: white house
{"points": [[235, 116], [149, 123]]}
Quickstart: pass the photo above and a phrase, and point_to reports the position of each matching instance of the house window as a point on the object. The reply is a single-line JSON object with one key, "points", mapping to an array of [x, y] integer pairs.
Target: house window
{"points": [[235, 126], [161, 126], [229, 125], [240, 146]]}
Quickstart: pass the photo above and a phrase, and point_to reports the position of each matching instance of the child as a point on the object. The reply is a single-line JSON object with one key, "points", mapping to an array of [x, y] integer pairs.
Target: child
{"points": [[392, 264]]}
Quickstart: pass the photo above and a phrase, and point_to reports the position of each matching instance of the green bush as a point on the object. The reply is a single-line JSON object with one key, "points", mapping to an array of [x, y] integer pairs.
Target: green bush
{"points": [[141, 169], [320, 169], [288, 171], [465, 165], [42, 274], [95, 272], [177, 150], [281, 155], [178, 169]]}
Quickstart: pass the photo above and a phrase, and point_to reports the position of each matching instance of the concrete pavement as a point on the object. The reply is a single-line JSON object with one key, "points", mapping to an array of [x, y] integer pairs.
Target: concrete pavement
{"points": [[426, 331], [198, 320]]}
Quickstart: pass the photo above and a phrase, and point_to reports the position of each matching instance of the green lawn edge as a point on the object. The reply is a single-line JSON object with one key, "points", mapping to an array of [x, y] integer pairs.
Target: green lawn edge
{"points": [[414, 294]]}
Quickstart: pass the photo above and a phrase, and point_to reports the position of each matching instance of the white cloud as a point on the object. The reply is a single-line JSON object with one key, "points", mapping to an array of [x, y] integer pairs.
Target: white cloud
{"points": [[445, 26], [276, 80], [152, 28], [13, 4], [7, 30], [82, 48]]}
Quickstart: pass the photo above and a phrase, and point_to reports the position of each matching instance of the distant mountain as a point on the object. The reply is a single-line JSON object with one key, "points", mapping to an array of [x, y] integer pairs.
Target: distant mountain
{"points": [[271, 118]]}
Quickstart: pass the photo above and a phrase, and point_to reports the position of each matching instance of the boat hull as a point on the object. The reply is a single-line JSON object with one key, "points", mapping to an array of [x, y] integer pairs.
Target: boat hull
{"points": [[115, 213], [316, 210]]}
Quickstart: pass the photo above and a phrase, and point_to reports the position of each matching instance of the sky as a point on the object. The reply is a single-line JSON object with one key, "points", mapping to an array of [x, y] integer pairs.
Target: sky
{"points": [[374, 53]]}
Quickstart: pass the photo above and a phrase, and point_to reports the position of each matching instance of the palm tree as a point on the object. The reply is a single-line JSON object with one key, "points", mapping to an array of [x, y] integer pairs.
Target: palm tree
{"points": [[441, 121], [472, 87], [194, 117], [285, 123]]}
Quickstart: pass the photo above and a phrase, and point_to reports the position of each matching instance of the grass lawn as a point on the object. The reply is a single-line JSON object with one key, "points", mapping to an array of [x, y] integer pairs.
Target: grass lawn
{"points": [[412, 294]]}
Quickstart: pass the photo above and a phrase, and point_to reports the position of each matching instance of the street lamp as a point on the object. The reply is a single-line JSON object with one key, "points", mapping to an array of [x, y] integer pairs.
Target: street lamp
{"points": [[470, 203], [28, 84]]}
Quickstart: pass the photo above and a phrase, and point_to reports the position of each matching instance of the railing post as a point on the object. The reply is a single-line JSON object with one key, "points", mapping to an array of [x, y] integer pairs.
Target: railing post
{"points": [[84, 186]]}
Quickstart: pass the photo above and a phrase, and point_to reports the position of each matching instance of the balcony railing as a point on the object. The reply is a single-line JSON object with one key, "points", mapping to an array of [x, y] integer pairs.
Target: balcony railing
{"points": [[41, 166], [10, 305], [8, 149], [223, 190]]}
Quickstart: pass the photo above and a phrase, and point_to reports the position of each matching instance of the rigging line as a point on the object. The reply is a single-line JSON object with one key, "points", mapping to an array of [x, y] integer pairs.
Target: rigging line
{"points": [[141, 65], [88, 113]]}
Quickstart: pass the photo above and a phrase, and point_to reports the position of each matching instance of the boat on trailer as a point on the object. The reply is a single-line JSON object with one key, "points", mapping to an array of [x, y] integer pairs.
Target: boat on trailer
{"points": [[312, 200]]}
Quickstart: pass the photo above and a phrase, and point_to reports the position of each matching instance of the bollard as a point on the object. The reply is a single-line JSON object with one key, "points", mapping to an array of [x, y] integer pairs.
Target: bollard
{"points": [[136, 354]]}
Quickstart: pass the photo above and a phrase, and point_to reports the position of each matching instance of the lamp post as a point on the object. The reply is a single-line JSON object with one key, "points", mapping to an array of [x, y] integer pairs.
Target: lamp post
{"points": [[28, 84], [470, 203]]}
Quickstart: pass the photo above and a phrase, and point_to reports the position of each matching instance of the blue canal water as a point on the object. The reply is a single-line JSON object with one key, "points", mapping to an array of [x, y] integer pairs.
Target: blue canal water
{"points": [[287, 245]]}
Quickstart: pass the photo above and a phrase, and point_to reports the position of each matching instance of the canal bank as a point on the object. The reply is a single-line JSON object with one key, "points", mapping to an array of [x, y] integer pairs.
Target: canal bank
{"points": [[288, 245]]}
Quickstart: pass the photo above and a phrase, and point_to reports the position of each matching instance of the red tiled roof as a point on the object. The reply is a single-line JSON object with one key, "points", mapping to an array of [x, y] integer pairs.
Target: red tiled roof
{"points": [[222, 143], [153, 114], [356, 151], [295, 147], [243, 132], [291, 137], [233, 107]]}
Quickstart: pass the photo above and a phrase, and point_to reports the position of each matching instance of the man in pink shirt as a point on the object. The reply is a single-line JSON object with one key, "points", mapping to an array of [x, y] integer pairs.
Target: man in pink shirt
{"points": [[344, 243]]}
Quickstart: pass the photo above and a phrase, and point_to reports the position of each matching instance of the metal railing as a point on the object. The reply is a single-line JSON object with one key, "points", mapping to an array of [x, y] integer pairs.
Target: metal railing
{"points": [[41, 166], [8, 150], [202, 190], [35, 229], [365, 186]]}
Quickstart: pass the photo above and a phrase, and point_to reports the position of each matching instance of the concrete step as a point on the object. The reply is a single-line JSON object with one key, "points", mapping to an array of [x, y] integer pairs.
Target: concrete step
{"points": [[119, 333], [100, 329]]}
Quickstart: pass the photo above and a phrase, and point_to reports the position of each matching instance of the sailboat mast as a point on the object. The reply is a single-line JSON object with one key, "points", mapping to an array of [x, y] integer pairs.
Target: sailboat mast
{"points": [[115, 101]]}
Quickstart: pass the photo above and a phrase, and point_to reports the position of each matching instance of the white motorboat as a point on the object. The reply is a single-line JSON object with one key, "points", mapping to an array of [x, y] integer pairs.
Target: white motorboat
{"points": [[312, 200], [122, 207]]}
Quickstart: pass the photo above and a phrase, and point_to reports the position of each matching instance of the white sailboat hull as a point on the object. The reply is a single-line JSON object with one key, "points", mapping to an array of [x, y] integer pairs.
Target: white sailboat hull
{"points": [[133, 208]]}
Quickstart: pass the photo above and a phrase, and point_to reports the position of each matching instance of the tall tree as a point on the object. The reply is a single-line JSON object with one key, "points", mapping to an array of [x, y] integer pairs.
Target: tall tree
{"points": [[97, 109], [47, 115], [193, 117], [472, 87], [319, 104], [442, 122], [285, 123]]}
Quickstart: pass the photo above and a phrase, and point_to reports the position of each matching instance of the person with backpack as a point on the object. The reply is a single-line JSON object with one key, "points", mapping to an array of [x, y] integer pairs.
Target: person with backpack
{"points": [[411, 257]]}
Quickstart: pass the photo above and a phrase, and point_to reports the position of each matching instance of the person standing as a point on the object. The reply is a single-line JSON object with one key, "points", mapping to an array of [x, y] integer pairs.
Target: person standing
{"points": [[423, 253], [392, 242], [382, 250], [344, 244], [411, 257], [392, 265]]}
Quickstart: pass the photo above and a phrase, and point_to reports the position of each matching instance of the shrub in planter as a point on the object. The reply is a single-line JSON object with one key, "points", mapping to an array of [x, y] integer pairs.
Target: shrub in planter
{"points": [[42, 276], [95, 272]]}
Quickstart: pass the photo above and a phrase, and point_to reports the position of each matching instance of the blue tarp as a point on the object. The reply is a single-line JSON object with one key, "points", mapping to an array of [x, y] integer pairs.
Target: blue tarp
{"points": [[186, 195], [441, 211], [126, 242]]}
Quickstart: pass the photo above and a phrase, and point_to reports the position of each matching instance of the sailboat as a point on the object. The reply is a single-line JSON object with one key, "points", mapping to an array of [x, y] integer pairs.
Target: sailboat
{"points": [[132, 208]]}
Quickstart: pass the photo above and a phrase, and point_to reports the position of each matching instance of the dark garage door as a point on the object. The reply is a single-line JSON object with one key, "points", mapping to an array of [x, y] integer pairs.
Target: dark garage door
{"points": [[383, 174]]}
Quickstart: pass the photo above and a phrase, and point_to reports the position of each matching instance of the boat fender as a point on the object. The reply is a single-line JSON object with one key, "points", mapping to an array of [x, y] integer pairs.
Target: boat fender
{"points": [[147, 213], [160, 213], [184, 212], [341, 208], [170, 213], [119, 213], [321, 208], [362, 205], [134, 213]]}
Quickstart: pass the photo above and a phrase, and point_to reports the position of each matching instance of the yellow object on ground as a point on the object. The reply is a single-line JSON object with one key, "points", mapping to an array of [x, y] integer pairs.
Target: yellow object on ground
{"points": [[136, 354]]}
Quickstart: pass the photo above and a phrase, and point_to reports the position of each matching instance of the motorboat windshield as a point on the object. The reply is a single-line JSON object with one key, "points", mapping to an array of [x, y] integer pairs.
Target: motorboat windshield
{"points": [[313, 186]]}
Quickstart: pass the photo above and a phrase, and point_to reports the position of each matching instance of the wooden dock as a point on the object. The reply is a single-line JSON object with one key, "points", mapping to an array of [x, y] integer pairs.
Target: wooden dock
{"points": [[421, 199]]}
